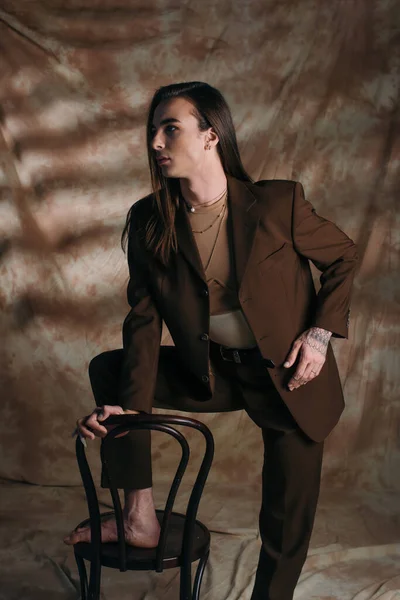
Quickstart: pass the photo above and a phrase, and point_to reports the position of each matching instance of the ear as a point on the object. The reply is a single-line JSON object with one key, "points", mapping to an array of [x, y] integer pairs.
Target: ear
{"points": [[212, 136]]}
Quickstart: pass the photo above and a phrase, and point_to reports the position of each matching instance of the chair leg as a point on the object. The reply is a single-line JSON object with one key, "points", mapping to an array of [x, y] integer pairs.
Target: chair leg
{"points": [[94, 581], [199, 576], [82, 576], [185, 591]]}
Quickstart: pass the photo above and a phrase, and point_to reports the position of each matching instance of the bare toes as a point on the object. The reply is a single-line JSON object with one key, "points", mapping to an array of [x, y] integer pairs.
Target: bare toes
{"points": [[79, 535]]}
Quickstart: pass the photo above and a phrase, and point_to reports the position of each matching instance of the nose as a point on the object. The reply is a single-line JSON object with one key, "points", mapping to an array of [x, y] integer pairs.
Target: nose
{"points": [[156, 142]]}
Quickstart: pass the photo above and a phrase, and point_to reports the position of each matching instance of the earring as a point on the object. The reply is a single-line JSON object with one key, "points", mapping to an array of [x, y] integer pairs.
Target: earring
{"points": [[207, 146]]}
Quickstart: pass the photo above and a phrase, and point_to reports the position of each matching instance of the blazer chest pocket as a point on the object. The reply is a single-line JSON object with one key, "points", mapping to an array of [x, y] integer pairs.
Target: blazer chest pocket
{"points": [[276, 258]]}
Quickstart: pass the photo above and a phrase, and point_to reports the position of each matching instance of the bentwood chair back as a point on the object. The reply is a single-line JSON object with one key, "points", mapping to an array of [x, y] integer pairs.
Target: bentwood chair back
{"points": [[183, 538]]}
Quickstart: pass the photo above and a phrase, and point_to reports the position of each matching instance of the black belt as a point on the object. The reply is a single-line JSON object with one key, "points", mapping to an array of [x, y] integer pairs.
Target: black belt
{"points": [[244, 356]]}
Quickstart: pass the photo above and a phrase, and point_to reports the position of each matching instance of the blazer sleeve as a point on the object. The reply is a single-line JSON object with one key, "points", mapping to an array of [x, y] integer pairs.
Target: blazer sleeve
{"points": [[333, 253], [141, 332]]}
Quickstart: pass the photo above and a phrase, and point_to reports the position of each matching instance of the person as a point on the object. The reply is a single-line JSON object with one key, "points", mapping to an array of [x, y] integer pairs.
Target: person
{"points": [[221, 264]]}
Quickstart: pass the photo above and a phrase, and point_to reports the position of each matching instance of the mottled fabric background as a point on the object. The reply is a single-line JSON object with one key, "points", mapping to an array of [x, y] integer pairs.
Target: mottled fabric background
{"points": [[313, 86]]}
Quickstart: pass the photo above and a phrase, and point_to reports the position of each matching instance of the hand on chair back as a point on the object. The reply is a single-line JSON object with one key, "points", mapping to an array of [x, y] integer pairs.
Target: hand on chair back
{"points": [[90, 426]]}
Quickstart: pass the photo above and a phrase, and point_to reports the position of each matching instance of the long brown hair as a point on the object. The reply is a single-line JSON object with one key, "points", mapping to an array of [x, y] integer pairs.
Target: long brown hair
{"points": [[211, 110]]}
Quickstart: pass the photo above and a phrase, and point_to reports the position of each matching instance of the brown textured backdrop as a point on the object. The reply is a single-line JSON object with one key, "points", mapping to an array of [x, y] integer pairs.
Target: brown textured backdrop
{"points": [[314, 89]]}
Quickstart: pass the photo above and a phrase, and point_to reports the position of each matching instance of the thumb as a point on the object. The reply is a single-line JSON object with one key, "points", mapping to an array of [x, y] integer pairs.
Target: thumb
{"points": [[291, 357]]}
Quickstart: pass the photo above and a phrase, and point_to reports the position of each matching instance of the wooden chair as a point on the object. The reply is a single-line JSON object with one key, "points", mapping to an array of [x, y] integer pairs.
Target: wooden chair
{"points": [[183, 539]]}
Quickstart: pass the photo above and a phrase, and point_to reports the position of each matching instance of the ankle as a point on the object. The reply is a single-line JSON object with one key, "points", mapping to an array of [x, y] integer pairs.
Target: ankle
{"points": [[140, 500]]}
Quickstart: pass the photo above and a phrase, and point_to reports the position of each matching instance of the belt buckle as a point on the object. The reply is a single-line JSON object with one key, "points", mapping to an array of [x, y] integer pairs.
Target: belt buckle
{"points": [[235, 353], [236, 357], [221, 352]]}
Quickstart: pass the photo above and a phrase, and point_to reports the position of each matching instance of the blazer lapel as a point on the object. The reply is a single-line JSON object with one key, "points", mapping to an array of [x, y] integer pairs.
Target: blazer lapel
{"points": [[243, 222]]}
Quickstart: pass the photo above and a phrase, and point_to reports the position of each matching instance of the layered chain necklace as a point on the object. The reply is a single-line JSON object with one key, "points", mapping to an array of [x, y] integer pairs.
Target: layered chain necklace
{"points": [[221, 213], [220, 217], [209, 203]]}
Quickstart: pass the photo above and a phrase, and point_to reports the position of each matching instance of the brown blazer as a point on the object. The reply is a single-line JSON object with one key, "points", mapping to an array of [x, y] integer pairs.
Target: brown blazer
{"points": [[275, 234]]}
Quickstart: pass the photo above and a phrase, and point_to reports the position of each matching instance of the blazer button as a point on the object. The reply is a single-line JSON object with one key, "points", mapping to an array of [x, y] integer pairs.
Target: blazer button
{"points": [[205, 378], [204, 337]]}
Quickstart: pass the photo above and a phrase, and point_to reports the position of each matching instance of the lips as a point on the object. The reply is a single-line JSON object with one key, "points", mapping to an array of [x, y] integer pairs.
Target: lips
{"points": [[161, 161]]}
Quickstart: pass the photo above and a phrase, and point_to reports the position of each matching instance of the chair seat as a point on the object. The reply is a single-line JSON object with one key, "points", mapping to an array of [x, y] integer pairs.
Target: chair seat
{"points": [[143, 559]]}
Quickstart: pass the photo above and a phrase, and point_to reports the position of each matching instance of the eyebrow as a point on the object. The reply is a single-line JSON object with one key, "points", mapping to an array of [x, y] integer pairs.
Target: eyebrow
{"points": [[168, 120]]}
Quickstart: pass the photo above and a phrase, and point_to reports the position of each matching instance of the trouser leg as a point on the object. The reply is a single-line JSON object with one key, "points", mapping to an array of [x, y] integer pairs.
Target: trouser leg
{"points": [[130, 456], [290, 488]]}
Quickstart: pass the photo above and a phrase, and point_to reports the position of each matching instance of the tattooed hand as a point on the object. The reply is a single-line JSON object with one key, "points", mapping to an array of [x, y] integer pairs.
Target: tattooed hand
{"points": [[312, 345]]}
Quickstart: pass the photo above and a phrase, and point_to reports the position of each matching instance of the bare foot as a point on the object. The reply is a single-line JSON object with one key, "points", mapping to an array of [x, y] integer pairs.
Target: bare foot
{"points": [[141, 535]]}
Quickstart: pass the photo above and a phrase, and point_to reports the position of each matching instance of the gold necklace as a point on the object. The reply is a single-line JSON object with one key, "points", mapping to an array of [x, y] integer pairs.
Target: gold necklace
{"points": [[213, 223], [209, 203], [214, 244]]}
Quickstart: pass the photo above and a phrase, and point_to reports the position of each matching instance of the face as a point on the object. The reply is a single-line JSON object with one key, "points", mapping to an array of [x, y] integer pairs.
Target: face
{"points": [[180, 139]]}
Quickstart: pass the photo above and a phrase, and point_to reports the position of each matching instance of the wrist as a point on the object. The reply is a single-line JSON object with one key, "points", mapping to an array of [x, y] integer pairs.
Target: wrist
{"points": [[322, 331]]}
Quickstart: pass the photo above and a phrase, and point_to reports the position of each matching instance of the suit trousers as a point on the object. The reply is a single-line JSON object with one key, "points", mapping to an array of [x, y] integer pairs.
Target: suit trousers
{"points": [[290, 475]]}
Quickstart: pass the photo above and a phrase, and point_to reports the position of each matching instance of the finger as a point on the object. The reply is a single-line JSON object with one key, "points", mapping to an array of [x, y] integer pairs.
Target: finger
{"points": [[291, 357], [90, 432], [293, 383], [298, 377], [82, 430], [316, 366], [309, 373], [109, 409], [85, 433], [122, 434], [92, 423], [301, 368]]}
